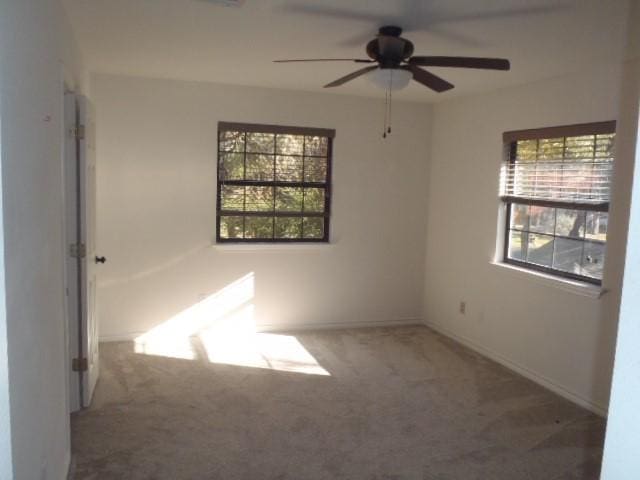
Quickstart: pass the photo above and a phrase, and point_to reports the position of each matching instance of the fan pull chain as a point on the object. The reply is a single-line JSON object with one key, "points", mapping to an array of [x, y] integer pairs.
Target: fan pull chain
{"points": [[386, 129], [390, 102], [386, 109]]}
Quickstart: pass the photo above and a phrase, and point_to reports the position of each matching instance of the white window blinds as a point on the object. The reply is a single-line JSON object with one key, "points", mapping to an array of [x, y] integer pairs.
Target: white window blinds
{"points": [[571, 164]]}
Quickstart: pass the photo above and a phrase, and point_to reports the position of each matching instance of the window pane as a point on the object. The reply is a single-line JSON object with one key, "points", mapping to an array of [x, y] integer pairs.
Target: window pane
{"points": [[288, 169], [550, 148], [314, 199], [570, 223], [518, 240], [231, 141], [580, 148], [258, 227], [288, 227], [313, 227], [317, 146], [527, 150], [260, 142], [596, 228], [604, 146], [315, 169], [232, 198], [289, 144], [259, 199], [593, 259], [567, 255], [231, 227], [520, 216], [259, 167], [231, 166], [288, 199], [540, 249], [541, 219]]}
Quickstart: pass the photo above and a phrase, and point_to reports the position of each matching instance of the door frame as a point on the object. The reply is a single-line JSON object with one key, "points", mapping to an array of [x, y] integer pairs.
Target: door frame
{"points": [[71, 227]]}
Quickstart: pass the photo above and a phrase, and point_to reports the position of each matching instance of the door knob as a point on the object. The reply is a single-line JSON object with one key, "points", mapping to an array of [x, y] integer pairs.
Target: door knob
{"points": [[101, 259]]}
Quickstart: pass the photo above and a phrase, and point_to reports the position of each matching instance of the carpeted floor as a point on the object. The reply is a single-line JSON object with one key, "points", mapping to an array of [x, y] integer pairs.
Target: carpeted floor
{"points": [[382, 404]]}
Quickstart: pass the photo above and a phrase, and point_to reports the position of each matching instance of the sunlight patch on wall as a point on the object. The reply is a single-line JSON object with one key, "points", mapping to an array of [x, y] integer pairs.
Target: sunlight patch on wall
{"points": [[221, 329], [173, 337]]}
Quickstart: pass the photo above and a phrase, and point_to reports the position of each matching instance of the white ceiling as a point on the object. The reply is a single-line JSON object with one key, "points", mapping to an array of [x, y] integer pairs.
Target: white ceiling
{"points": [[205, 41]]}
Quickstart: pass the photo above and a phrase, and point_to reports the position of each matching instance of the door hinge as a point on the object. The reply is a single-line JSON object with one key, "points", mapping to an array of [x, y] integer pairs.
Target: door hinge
{"points": [[79, 365], [78, 132], [77, 250]]}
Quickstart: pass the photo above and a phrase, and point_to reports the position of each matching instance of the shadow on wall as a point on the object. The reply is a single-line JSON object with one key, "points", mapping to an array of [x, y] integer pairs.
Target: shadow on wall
{"points": [[222, 329]]}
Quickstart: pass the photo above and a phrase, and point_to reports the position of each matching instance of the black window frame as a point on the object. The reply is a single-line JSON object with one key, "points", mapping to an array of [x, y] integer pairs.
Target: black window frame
{"points": [[329, 134], [510, 140]]}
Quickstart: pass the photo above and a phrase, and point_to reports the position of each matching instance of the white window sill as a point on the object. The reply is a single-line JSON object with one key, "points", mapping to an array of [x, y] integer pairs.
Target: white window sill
{"points": [[572, 286], [272, 247]]}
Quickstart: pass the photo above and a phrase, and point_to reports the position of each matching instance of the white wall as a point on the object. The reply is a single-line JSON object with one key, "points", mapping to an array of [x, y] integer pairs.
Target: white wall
{"points": [[36, 45], [156, 164], [621, 460], [563, 339]]}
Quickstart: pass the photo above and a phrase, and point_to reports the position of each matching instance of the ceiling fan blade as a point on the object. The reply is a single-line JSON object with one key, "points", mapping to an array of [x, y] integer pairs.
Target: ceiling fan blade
{"points": [[356, 60], [428, 79], [462, 62], [349, 77]]}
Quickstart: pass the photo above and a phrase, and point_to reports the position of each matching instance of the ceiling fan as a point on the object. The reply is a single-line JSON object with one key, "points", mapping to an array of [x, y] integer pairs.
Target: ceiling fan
{"points": [[393, 56]]}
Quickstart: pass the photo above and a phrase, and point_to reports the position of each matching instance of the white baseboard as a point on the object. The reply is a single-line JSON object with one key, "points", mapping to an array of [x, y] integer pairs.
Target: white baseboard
{"points": [[522, 370], [296, 327], [293, 327]]}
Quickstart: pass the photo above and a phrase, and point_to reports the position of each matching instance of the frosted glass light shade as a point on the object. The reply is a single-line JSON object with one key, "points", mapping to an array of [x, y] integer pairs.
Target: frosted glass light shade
{"points": [[395, 78]]}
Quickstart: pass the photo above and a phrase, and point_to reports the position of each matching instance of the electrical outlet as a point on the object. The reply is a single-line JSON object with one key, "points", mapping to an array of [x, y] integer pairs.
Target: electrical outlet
{"points": [[463, 307]]}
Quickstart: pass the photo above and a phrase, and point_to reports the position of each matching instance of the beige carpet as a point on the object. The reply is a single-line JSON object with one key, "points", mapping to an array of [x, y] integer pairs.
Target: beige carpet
{"points": [[381, 403]]}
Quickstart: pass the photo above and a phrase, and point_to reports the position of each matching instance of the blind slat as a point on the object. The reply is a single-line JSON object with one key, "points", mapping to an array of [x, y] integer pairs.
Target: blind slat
{"points": [[575, 182]]}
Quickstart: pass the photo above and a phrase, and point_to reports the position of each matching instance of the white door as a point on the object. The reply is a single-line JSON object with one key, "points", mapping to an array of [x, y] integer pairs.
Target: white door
{"points": [[89, 261], [80, 199]]}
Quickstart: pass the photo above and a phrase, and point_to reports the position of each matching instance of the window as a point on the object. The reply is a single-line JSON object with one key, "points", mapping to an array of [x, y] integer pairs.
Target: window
{"points": [[274, 183], [555, 186]]}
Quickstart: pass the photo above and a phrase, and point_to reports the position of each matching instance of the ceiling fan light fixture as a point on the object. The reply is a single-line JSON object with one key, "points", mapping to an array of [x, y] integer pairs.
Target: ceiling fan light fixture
{"points": [[390, 78]]}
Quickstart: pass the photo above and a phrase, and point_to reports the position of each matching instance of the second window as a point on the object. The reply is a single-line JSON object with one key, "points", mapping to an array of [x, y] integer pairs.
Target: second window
{"points": [[273, 183], [556, 189]]}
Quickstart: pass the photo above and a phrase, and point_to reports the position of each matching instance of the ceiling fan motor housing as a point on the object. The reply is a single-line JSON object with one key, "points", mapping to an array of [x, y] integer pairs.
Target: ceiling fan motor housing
{"points": [[389, 48]]}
